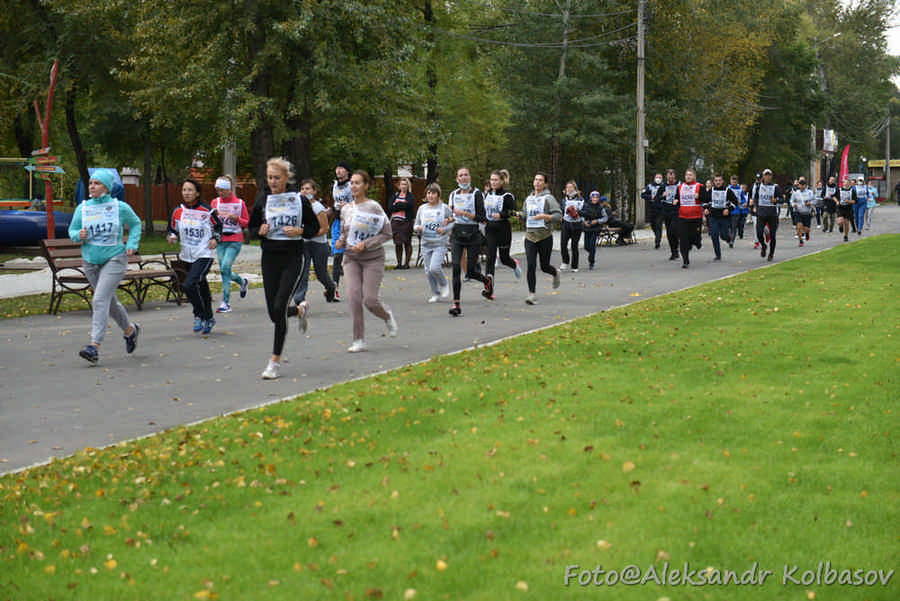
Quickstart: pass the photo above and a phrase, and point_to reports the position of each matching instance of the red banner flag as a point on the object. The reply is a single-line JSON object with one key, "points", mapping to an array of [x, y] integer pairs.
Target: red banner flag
{"points": [[845, 171]]}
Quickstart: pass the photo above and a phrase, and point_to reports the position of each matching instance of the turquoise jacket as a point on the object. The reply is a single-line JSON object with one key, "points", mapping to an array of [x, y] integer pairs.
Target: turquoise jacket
{"points": [[98, 255]]}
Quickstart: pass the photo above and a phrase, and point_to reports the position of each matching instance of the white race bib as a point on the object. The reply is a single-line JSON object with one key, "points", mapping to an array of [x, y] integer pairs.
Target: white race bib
{"points": [[766, 195], [687, 196], [364, 226], [492, 204], [719, 199], [432, 219], [102, 223], [464, 202], [282, 210], [195, 232], [533, 207], [226, 210]]}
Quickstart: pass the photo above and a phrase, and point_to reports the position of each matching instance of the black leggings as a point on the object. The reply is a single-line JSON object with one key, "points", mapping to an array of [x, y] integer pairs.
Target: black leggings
{"points": [[570, 234], [497, 242], [473, 249], [533, 251], [337, 268], [281, 277], [772, 222], [196, 288], [671, 221], [688, 235]]}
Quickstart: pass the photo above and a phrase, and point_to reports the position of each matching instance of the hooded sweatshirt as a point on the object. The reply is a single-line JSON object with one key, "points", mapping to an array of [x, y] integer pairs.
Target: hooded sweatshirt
{"points": [[536, 204], [105, 219]]}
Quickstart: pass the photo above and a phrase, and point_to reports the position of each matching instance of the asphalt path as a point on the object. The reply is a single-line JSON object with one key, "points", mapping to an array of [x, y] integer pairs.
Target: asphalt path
{"points": [[53, 403]]}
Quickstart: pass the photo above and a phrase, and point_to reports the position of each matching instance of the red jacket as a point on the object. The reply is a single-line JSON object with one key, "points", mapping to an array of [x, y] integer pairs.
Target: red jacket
{"points": [[690, 200]]}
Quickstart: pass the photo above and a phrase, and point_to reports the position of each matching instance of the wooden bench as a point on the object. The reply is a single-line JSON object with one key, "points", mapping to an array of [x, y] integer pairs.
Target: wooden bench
{"points": [[64, 259]]}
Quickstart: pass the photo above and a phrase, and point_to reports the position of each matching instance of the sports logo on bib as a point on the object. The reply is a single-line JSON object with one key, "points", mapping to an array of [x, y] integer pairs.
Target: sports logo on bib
{"points": [[102, 223], [364, 226], [282, 210]]}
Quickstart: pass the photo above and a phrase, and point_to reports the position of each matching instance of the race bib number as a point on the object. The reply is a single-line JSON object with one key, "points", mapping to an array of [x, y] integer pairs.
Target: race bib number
{"points": [[432, 219], [719, 198], [194, 230], [492, 204], [766, 195], [102, 223], [534, 207], [687, 196], [229, 211], [364, 226], [282, 210], [464, 202], [671, 191]]}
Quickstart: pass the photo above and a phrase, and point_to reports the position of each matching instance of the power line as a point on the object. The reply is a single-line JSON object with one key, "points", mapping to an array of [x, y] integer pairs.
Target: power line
{"points": [[579, 43]]}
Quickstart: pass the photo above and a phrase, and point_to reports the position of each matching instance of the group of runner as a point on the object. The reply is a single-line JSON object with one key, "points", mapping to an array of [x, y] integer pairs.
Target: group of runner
{"points": [[293, 226]]}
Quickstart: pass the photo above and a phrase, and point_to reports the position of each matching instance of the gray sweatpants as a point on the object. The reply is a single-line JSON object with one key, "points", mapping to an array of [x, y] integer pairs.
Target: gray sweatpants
{"points": [[433, 259], [362, 279], [104, 280]]}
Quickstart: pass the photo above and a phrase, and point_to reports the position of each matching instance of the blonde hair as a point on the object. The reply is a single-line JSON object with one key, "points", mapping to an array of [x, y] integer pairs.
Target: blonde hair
{"points": [[574, 185], [503, 174], [283, 165]]}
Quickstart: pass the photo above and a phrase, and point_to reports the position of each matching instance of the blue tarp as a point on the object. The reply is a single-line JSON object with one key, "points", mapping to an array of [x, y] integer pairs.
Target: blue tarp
{"points": [[118, 190]]}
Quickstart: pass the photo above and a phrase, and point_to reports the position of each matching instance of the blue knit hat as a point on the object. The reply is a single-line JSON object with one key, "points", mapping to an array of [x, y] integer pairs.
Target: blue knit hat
{"points": [[107, 177]]}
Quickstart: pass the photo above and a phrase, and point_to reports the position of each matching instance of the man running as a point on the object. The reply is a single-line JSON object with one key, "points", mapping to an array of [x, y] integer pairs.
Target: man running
{"points": [[766, 199], [802, 200], [720, 202], [654, 208], [691, 196], [666, 197]]}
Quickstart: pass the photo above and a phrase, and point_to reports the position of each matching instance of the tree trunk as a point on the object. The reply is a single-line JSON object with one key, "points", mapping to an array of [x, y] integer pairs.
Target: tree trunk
{"points": [[23, 129], [560, 83], [74, 135], [298, 149], [388, 186], [147, 181]]}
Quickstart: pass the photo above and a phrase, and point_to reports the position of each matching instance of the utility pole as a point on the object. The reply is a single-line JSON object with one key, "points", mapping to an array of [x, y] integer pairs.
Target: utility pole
{"points": [[639, 141], [887, 159]]}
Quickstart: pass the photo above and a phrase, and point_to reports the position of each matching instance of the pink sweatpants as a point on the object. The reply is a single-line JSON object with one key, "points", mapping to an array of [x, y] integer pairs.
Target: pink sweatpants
{"points": [[363, 282]]}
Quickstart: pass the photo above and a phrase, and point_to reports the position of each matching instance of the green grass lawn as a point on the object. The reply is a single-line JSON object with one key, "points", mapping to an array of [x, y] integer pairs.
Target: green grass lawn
{"points": [[747, 422]]}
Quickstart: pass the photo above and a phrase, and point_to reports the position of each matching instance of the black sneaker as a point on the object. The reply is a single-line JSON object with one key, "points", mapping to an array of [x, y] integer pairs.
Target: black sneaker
{"points": [[131, 339], [455, 311], [762, 250], [245, 283], [684, 265], [90, 353], [769, 258], [488, 291], [673, 257], [329, 296]]}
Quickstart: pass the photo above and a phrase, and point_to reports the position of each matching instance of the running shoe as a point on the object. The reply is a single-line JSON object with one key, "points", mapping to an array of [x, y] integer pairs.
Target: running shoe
{"points": [[768, 234], [801, 242], [271, 371], [575, 270], [337, 296], [391, 324], [131, 339], [564, 267], [208, 325], [769, 258], [488, 291], [807, 236], [90, 353], [530, 300], [329, 296], [434, 299], [762, 250], [455, 310], [673, 257], [198, 324], [245, 283], [445, 292], [556, 280], [845, 237], [303, 321], [358, 346], [517, 271], [224, 308]]}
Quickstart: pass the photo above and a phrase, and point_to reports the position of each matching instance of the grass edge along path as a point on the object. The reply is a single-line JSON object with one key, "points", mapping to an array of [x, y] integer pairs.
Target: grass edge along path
{"points": [[731, 426]]}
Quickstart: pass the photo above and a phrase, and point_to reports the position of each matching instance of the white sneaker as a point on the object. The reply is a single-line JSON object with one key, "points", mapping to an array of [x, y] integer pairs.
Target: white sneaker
{"points": [[358, 346], [556, 281], [302, 312], [574, 271], [445, 292], [564, 267], [224, 308], [391, 324], [434, 299], [271, 371], [530, 300]]}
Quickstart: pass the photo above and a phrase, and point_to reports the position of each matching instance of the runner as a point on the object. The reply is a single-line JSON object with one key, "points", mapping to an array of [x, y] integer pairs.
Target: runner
{"points": [[340, 197], [846, 198], [802, 201], [739, 213], [819, 206], [434, 221], [498, 206], [541, 210], [234, 216], [691, 196], [720, 202], [278, 220], [859, 207], [654, 208], [200, 231], [364, 230], [595, 215], [667, 197], [766, 200], [315, 245], [829, 205], [871, 205], [97, 225], [402, 211], [467, 204], [572, 226]]}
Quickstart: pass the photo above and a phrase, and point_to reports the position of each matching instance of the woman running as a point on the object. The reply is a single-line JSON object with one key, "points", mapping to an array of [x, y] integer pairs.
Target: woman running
{"points": [[200, 232], [402, 211], [541, 211], [97, 225], [499, 205], [467, 204], [434, 221], [364, 230], [315, 245], [340, 197], [595, 215], [572, 226], [232, 211], [277, 219]]}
